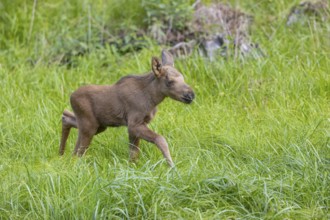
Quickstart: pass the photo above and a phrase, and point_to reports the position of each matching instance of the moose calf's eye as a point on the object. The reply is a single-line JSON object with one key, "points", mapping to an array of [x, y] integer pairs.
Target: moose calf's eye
{"points": [[169, 83]]}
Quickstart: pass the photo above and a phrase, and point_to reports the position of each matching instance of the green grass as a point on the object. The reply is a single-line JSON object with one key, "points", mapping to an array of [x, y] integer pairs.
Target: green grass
{"points": [[254, 145]]}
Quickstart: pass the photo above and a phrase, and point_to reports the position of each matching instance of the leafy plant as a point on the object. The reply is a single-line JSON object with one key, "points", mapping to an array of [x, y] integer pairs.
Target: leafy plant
{"points": [[173, 14]]}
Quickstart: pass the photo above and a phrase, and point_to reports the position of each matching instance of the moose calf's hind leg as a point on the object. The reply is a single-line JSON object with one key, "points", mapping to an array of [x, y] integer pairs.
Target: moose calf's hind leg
{"points": [[68, 121], [86, 131], [83, 142], [134, 149]]}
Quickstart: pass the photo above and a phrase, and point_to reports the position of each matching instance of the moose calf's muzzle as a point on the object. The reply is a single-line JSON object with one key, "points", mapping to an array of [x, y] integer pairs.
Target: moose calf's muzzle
{"points": [[188, 97]]}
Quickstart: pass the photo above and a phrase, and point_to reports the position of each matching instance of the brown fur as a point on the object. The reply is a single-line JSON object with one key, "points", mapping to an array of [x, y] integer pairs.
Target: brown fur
{"points": [[130, 102]]}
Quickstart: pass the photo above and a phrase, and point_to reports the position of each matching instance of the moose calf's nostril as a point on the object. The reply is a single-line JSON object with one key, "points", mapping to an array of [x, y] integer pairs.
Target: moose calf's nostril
{"points": [[188, 97], [192, 96]]}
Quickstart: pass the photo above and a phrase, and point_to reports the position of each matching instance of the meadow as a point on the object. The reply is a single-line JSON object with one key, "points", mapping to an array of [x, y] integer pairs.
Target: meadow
{"points": [[253, 145]]}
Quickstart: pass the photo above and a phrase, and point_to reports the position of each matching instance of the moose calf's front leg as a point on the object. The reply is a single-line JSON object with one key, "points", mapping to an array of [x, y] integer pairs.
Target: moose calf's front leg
{"points": [[142, 131], [163, 146]]}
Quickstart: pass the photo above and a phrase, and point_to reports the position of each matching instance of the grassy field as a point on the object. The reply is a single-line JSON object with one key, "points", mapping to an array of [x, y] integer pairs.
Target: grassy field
{"points": [[254, 144]]}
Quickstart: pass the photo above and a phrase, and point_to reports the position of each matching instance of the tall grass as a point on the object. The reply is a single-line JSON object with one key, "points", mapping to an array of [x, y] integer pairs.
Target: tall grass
{"points": [[254, 145]]}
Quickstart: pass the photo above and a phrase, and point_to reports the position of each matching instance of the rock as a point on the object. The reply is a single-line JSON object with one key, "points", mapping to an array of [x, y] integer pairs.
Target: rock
{"points": [[307, 9]]}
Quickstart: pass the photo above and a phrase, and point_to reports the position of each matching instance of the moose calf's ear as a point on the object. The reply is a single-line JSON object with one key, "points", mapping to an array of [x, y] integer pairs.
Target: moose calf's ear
{"points": [[167, 58], [156, 66]]}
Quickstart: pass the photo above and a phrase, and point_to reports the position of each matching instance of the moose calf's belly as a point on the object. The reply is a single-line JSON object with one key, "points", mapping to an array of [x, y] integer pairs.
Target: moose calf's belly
{"points": [[112, 120]]}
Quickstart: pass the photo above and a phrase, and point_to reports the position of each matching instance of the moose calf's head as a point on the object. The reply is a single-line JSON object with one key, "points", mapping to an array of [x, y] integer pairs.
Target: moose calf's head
{"points": [[171, 81]]}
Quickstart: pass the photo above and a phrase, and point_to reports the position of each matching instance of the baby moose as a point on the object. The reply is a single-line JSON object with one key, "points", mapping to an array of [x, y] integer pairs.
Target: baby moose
{"points": [[130, 102]]}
